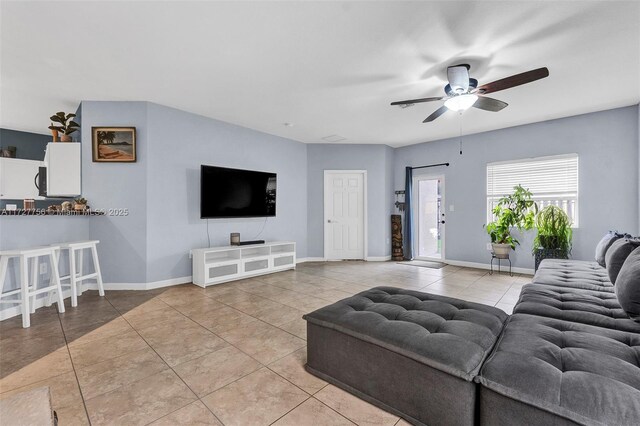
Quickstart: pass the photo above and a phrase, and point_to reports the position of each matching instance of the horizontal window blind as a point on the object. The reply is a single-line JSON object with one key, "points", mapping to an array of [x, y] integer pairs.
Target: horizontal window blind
{"points": [[552, 180]]}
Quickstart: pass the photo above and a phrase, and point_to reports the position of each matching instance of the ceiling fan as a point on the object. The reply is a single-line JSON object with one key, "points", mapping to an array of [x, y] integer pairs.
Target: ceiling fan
{"points": [[463, 92]]}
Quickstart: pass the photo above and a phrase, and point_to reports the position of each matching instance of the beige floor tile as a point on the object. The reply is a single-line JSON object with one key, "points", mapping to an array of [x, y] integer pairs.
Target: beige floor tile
{"points": [[141, 320], [222, 319], [488, 295], [97, 379], [353, 408], [73, 415], [202, 305], [292, 368], [297, 327], [194, 414], [233, 296], [257, 399], [507, 307], [181, 341], [104, 349], [312, 413], [132, 303], [141, 402], [403, 422], [263, 342], [47, 366], [278, 315], [81, 335], [64, 390], [215, 370]]}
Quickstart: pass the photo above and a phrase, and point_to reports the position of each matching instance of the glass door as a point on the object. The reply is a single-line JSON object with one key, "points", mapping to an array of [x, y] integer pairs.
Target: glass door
{"points": [[429, 217]]}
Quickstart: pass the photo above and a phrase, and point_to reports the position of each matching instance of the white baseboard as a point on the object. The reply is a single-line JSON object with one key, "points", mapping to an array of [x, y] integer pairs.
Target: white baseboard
{"points": [[378, 258], [310, 259], [488, 266], [15, 310], [322, 259]]}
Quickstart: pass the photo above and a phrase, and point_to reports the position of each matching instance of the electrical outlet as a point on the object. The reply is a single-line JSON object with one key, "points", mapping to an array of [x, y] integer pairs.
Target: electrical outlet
{"points": [[387, 241], [190, 254], [489, 247], [451, 208], [43, 268]]}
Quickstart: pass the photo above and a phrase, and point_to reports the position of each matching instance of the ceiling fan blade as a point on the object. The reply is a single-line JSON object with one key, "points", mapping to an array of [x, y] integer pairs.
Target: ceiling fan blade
{"points": [[458, 76], [415, 101], [514, 80], [437, 113], [489, 104]]}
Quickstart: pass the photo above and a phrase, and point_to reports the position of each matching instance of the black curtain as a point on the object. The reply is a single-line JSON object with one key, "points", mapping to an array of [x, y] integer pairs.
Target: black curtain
{"points": [[408, 214]]}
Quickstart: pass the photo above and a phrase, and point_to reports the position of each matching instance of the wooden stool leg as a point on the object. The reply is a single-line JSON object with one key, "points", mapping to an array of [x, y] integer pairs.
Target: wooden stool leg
{"points": [[72, 277], [24, 286], [55, 276], [4, 265], [34, 282], [81, 269], [96, 265]]}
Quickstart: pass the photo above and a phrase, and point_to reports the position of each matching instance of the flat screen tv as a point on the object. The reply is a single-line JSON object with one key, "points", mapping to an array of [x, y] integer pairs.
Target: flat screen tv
{"points": [[227, 193]]}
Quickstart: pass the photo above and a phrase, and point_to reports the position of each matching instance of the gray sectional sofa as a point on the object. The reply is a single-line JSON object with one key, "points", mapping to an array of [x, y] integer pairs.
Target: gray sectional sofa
{"points": [[569, 354]]}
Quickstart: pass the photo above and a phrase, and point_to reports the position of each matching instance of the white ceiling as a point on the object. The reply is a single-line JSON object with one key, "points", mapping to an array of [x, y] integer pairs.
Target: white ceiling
{"points": [[327, 67]]}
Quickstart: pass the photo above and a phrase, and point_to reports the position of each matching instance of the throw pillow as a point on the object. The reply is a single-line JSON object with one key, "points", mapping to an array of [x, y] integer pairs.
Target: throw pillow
{"points": [[617, 254], [604, 245], [628, 285]]}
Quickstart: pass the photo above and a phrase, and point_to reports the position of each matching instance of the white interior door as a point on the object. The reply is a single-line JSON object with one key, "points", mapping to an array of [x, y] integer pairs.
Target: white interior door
{"points": [[344, 215], [429, 217]]}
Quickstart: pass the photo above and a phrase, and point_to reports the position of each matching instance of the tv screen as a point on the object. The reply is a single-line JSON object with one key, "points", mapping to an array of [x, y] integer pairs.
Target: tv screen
{"points": [[226, 193]]}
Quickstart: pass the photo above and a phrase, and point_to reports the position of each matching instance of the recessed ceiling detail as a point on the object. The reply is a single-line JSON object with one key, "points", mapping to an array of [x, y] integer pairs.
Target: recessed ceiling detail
{"points": [[252, 63], [334, 138]]}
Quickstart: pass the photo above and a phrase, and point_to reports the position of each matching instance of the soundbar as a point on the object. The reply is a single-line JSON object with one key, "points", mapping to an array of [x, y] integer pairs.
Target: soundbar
{"points": [[247, 243]]}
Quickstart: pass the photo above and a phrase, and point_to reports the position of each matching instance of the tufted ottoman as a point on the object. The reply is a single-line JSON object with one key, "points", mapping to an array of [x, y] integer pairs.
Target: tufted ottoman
{"points": [[411, 353], [546, 371], [599, 308], [573, 273]]}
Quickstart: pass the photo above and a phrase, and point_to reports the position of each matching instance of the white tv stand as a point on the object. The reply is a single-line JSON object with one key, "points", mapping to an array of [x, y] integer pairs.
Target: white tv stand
{"points": [[221, 264]]}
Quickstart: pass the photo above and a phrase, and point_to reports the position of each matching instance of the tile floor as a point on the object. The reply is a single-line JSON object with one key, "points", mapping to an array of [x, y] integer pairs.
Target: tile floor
{"points": [[230, 354]]}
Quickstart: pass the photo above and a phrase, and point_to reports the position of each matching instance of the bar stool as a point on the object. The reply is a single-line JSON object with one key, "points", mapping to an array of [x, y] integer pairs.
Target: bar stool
{"points": [[28, 291], [76, 270]]}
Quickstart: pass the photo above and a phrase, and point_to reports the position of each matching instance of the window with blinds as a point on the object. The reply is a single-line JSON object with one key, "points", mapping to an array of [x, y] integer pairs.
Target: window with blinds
{"points": [[552, 180]]}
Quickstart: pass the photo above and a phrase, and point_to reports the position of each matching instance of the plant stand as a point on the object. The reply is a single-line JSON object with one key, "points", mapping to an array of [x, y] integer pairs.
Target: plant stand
{"points": [[500, 257]]}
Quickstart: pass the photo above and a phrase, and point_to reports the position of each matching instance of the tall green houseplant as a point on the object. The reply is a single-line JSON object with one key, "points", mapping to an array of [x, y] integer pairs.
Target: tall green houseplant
{"points": [[517, 210], [553, 240]]}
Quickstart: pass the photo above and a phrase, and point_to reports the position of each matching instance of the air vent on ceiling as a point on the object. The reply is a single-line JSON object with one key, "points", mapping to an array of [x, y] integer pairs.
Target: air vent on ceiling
{"points": [[334, 138]]}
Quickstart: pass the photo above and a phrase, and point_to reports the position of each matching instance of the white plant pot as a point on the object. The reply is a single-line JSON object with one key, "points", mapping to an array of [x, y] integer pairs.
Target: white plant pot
{"points": [[501, 250]]}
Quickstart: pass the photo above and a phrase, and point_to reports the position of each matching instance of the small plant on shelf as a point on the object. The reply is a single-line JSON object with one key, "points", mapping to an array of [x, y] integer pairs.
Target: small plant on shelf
{"points": [[65, 126], [517, 210], [80, 204], [553, 240]]}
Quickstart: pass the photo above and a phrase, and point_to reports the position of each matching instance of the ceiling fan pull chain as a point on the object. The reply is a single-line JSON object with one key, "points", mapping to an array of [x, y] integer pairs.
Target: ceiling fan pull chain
{"points": [[460, 132]]}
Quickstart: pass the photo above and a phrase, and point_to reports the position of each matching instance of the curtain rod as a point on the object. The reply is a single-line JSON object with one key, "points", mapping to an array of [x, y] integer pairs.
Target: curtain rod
{"points": [[430, 165]]}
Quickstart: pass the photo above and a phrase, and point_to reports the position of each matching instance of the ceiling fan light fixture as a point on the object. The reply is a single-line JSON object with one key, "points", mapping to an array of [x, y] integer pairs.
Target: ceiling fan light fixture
{"points": [[461, 102]]}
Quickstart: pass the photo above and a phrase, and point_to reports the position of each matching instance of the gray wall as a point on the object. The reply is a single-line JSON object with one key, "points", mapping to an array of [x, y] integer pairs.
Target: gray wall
{"points": [[179, 143], [377, 161], [607, 145]]}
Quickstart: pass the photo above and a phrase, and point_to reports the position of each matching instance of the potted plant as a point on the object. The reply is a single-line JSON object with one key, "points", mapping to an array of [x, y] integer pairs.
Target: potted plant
{"points": [[65, 126], [553, 240], [517, 210], [80, 204]]}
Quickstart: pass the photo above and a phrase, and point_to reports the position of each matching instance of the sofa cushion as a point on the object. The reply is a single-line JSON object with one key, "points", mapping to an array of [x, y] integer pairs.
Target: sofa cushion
{"points": [[573, 274], [451, 335], [604, 244], [587, 374], [617, 254], [597, 308], [628, 285]]}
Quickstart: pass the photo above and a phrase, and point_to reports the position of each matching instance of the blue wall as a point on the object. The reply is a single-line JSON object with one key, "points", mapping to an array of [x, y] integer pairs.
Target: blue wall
{"points": [[179, 143], [161, 190], [377, 161], [607, 145]]}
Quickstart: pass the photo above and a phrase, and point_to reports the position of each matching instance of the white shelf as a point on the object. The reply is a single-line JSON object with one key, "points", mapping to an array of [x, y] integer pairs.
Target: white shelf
{"points": [[216, 265]]}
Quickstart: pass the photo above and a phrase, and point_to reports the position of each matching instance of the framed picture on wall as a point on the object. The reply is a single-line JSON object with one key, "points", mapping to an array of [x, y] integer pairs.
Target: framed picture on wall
{"points": [[113, 144]]}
